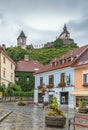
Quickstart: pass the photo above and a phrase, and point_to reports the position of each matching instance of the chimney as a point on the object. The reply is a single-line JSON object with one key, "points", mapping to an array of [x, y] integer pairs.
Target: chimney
{"points": [[26, 57], [3, 46]]}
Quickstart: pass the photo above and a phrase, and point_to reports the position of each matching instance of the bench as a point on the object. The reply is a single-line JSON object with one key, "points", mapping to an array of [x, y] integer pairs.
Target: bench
{"points": [[72, 121]]}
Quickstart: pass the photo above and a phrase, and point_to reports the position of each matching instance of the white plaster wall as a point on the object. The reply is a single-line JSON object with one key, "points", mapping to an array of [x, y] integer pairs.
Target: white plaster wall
{"points": [[57, 90]]}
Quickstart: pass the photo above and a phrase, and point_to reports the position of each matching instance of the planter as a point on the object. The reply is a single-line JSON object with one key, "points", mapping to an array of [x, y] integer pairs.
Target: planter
{"points": [[49, 86], [21, 104], [40, 87], [83, 110], [61, 84], [57, 121]]}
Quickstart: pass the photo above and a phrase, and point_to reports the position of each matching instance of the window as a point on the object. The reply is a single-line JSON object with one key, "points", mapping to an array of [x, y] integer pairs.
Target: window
{"points": [[51, 79], [85, 79], [53, 64], [17, 78], [4, 72], [4, 59], [60, 61], [41, 80], [27, 78], [11, 76], [57, 63], [11, 66], [63, 77], [69, 59]]}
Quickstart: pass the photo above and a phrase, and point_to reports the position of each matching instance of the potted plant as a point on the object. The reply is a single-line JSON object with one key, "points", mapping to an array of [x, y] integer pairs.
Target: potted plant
{"points": [[21, 102], [43, 89], [82, 107], [55, 117]]}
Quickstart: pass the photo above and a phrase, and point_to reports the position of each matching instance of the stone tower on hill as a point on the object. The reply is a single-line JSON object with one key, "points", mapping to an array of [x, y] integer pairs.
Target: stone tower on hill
{"points": [[21, 40], [65, 36]]}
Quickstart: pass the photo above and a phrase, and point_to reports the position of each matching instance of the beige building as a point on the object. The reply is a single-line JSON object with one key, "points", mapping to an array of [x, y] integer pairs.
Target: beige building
{"points": [[7, 68]]}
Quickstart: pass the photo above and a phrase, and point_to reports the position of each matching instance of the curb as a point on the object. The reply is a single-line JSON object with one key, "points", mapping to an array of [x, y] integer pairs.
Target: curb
{"points": [[5, 115]]}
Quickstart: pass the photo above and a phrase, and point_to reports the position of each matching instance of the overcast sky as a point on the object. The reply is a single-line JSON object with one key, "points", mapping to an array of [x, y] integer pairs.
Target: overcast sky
{"points": [[43, 20]]}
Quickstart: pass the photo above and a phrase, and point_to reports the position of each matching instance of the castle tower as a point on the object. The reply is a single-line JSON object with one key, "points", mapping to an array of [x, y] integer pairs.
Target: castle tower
{"points": [[21, 40], [65, 34]]}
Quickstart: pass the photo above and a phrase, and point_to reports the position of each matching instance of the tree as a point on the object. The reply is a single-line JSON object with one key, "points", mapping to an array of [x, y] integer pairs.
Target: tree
{"points": [[11, 89], [58, 43]]}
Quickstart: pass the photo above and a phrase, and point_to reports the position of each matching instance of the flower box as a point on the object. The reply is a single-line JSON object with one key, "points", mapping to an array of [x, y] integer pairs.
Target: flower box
{"points": [[40, 87], [50, 86], [61, 84]]}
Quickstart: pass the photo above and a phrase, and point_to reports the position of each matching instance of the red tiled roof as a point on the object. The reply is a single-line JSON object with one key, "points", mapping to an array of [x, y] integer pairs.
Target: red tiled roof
{"points": [[28, 66], [50, 68], [82, 59], [73, 53]]}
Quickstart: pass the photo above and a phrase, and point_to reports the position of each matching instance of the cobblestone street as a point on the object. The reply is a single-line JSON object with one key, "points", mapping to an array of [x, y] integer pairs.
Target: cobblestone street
{"points": [[28, 118]]}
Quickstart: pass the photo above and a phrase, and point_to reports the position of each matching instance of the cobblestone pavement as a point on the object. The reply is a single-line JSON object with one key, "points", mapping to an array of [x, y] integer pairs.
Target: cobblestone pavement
{"points": [[28, 118]]}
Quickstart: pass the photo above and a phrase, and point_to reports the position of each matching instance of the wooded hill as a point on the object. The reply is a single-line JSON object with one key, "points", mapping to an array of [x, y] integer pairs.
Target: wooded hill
{"points": [[44, 55]]}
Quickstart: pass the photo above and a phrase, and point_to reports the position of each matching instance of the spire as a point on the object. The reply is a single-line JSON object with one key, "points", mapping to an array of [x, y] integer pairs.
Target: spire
{"points": [[22, 35], [65, 34], [65, 28]]}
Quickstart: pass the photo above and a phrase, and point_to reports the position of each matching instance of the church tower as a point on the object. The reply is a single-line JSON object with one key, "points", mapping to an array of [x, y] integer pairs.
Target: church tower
{"points": [[21, 40], [65, 34]]}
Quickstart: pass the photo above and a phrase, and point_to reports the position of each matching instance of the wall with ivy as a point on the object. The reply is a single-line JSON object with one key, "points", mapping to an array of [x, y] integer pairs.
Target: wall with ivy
{"points": [[22, 80]]}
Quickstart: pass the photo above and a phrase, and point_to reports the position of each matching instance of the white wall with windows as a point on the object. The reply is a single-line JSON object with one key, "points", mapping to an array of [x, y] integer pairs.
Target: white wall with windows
{"points": [[56, 91]]}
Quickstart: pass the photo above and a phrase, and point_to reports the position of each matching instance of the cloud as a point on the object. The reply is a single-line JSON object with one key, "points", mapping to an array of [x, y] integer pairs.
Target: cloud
{"points": [[42, 20]]}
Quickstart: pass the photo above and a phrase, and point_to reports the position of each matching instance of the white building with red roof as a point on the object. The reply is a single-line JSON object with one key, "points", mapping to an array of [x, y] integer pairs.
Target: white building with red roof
{"points": [[57, 79]]}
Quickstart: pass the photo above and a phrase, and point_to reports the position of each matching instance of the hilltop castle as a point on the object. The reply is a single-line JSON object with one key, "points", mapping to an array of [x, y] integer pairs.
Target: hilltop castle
{"points": [[64, 36]]}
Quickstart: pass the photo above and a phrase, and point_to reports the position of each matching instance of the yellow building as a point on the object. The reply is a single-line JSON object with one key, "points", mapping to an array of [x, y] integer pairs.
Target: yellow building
{"points": [[81, 77], [7, 68]]}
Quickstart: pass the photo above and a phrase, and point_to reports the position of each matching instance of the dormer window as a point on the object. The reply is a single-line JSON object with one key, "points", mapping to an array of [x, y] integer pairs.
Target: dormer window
{"points": [[53, 64], [60, 61], [69, 59], [72, 58], [57, 63], [64, 60]]}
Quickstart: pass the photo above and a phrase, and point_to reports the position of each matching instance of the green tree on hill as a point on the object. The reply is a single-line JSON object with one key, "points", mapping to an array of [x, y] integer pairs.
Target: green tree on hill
{"points": [[58, 43]]}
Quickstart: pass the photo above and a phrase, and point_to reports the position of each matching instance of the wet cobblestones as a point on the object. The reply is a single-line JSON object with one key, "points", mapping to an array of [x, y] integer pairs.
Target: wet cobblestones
{"points": [[28, 118]]}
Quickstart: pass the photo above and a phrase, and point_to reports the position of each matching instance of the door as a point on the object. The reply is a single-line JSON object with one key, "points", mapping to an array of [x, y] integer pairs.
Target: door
{"points": [[40, 98], [64, 97], [50, 98]]}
